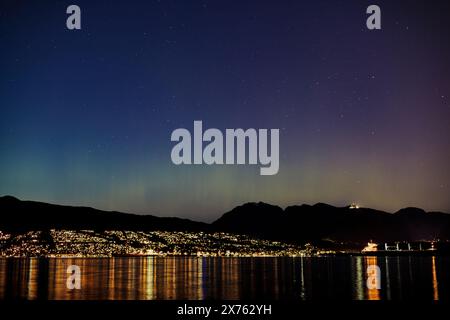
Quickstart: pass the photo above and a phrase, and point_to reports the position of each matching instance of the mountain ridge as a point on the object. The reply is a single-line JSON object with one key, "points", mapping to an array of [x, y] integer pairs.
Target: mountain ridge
{"points": [[298, 223]]}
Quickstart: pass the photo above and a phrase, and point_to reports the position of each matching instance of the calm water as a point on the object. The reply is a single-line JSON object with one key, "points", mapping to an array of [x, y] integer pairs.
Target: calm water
{"points": [[151, 278]]}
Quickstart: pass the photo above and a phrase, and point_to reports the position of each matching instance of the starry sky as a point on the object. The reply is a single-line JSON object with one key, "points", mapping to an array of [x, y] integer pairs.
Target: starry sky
{"points": [[86, 115]]}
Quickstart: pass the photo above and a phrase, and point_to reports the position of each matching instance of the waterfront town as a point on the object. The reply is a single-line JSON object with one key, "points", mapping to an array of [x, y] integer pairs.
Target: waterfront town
{"points": [[90, 243]]}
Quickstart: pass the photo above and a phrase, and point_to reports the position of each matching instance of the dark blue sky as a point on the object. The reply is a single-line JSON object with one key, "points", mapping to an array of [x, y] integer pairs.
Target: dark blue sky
{"points": [[86, 115]]}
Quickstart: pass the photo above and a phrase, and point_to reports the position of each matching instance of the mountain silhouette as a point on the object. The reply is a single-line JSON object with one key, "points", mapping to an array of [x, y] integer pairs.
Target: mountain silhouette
{"points": [[299, 223], [20, 215], [322, 221]]}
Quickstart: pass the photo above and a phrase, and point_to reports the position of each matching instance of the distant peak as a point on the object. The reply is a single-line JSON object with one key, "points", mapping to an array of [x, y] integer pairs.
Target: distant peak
{"points": [[257, 204], [411, 210], [323, 205], [9, 198]]}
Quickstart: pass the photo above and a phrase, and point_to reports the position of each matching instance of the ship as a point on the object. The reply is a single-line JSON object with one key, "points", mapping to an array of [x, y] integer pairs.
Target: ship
{"points": [[405, 248]]}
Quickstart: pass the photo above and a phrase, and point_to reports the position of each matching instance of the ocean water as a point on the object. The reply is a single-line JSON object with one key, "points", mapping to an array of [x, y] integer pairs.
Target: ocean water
{"points": [[192, 278]]}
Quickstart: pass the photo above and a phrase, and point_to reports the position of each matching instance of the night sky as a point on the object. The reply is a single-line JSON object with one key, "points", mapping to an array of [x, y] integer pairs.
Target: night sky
{"points": [[86, 116]]}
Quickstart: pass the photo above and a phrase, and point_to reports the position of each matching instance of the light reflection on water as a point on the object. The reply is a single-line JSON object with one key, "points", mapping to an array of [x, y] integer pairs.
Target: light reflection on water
{"points": [[167, 278]]}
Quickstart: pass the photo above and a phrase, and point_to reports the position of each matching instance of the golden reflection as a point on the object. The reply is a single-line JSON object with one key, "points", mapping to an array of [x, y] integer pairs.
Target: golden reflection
{"points": [[3, 278], [276, 282], [435, 282], [359, 281], [302, 280], [111, 278], [200, 293], [194, 278], [372, 293], [171, 285], [33, 275], [148, 278]]}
